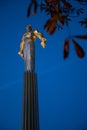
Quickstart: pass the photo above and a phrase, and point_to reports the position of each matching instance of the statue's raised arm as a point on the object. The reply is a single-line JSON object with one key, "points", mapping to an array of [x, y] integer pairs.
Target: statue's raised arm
{"points": [[40, 36]]}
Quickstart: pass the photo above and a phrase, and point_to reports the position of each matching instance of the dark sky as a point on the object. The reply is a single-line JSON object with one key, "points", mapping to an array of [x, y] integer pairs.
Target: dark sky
{"points": [[62, 84]]}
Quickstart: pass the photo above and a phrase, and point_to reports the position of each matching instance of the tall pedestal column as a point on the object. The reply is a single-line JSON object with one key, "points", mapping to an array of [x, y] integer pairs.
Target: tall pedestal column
{"points": [[30, 102]]}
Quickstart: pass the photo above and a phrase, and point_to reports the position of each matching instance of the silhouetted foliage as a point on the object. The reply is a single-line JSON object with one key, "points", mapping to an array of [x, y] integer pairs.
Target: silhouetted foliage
{"points": [[79, 50], [66, 48], [61, 13], [84, 22], [32, 3]]}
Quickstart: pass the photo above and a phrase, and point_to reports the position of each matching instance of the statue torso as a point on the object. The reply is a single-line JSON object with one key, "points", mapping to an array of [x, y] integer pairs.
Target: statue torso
{"points": [[29, 37], [29, 50]]}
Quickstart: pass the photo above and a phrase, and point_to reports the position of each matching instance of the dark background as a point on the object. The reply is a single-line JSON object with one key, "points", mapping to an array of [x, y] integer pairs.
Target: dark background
{"points": [[62, 84]]}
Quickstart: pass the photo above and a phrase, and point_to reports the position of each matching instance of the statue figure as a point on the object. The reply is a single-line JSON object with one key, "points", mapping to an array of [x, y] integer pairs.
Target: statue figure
{"points": [[27, 46]]}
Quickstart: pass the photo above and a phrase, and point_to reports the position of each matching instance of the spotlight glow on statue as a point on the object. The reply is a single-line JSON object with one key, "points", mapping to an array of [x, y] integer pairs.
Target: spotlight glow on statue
{"points": [[27, 46]]}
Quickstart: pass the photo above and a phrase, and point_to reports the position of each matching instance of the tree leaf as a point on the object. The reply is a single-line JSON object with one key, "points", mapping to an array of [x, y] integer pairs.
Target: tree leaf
{"points": [[66, 49], [48, 2], [67, 5], [61, 18], [33, 3], [50, 25], [29, 9], [81, 37], [79, 50]]}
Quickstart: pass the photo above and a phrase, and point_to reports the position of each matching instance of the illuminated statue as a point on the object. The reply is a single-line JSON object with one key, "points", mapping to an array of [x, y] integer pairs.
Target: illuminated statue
{"points": [[27, 46]]}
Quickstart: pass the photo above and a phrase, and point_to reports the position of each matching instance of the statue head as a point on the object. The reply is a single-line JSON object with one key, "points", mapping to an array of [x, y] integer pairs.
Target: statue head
{"points": [[28, 28]]}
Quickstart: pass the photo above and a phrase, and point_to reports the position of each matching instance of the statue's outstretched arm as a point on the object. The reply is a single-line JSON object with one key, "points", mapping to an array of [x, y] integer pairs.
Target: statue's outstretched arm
{"points": [[40, 36]]}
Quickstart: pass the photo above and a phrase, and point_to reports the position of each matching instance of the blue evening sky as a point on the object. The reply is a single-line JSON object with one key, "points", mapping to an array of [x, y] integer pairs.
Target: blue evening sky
{"points": [[62, 84]]}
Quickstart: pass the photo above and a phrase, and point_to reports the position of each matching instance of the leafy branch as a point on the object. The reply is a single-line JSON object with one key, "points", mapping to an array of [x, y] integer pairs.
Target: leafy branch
{"points": [[61, 13]]}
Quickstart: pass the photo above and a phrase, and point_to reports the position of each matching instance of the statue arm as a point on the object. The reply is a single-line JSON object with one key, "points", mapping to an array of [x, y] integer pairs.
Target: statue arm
{"points": [[21, 47], [40, 36]]}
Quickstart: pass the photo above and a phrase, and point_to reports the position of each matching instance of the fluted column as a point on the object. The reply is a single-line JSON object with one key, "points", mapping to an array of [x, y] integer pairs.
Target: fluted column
{"points": [[30, 102]]}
